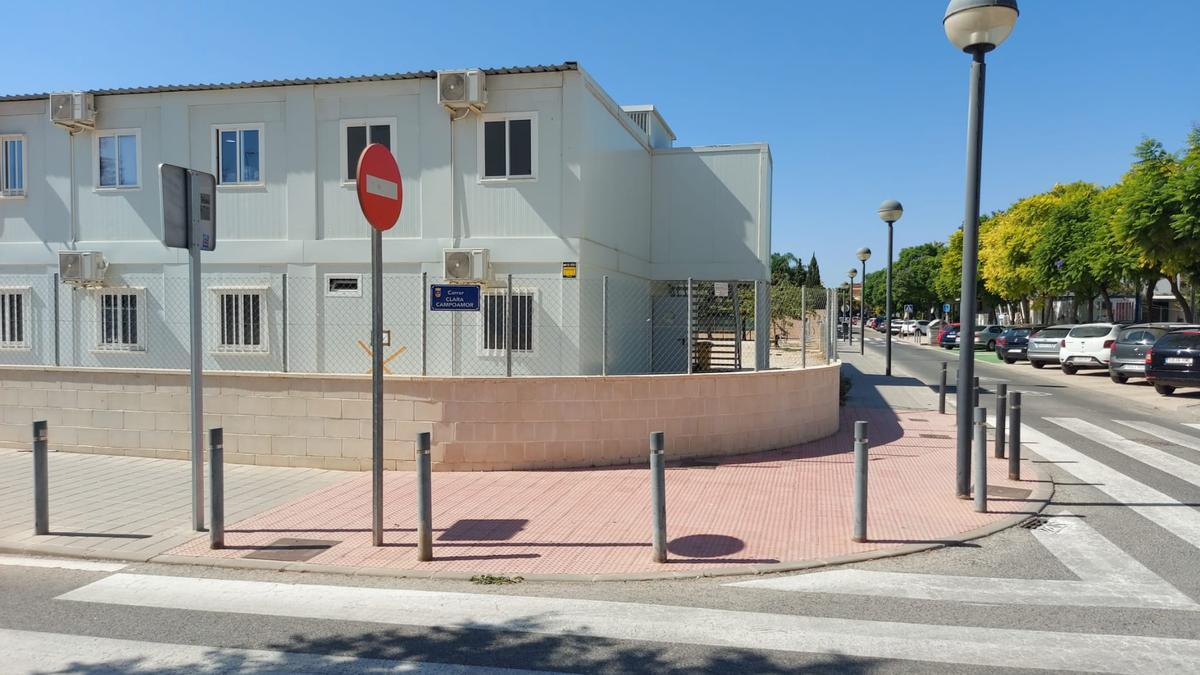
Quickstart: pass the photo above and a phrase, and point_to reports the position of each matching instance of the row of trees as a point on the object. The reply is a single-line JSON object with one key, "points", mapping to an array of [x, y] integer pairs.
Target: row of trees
{"points": [[1078, 239]]}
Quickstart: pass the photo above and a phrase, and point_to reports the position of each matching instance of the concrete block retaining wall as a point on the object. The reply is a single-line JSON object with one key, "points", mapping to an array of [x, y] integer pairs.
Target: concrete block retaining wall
{"points": [[478, 424]]}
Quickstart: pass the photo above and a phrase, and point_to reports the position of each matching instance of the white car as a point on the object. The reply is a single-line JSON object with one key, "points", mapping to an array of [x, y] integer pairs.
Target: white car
{"points": [[908, 327], [1087, 346]]}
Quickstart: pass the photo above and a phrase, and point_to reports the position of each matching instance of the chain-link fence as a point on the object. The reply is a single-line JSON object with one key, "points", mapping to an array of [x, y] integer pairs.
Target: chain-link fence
{"points": [[318, 322]]}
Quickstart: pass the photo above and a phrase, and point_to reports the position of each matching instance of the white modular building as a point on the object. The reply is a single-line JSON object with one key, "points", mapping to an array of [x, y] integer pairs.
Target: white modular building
{"points": [[531, 174]]}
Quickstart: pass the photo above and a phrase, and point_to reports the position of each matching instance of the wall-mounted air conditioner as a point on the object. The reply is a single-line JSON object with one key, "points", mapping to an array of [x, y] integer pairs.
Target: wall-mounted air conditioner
{"points": [[466, 265], [73, 110], [81, 268], [459, 89]]}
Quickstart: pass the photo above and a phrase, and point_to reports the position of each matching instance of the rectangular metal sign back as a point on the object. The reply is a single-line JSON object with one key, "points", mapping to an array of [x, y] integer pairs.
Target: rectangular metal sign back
{"points": [[453, 298]]}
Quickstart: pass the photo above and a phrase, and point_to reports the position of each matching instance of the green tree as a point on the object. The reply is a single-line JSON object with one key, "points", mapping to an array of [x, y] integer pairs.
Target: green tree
{"points": [[813, 276], [873, 291], [1184, 188], [1148, 211], [913, 277], [947, 281], [786, 268]]}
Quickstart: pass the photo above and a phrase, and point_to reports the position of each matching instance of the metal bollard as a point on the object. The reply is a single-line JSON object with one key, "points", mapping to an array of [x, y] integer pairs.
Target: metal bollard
{"points": [[216, 502], [1014, 438], [658, 496], [942, 393], [424, 499], [981, 459], [1001, 417], [41, 479], [860, 481], [975, 399]]}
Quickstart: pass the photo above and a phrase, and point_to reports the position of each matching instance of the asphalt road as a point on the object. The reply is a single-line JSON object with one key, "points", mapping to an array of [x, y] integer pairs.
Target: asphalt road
{"points": [[1092, 616]]}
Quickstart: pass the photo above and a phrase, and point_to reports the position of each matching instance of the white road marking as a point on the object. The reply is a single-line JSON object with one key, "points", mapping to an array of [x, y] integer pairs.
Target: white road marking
{"points": [[1159, 459], [1192, 425], [381, 187], [1155, 506], [59, 563], [30, 652], [1108, 577], [1177, 437], [1051, 650]]}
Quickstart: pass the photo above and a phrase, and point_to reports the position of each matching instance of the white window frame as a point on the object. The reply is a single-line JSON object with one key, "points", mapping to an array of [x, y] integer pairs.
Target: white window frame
{"points": [[533, 150], [26, 294], [343, 170], [103, 133], [121, 347], [500, 293], [264, 314], [13, 194], [213, 136], [357, 293]]}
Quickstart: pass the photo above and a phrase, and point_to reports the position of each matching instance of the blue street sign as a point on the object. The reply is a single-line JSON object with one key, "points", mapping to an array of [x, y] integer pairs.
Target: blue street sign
{"points": [[946, 307], [453, 298]]}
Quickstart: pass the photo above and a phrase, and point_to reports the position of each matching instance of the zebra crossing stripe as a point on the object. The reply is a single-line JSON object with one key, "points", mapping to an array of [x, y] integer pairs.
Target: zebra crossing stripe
{"points": [[1159, 459], [1108, 577], [1178, 438], [1153, 505], [984, 646]]}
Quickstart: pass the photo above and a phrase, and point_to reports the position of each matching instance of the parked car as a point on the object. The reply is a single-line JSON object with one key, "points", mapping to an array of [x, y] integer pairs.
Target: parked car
{"points": [[1128, 357], [1013, 343], [1087, 346], [985, 336], [921, 327], [948, 337], [1174, 361], [907, 327], [1045, 345]]}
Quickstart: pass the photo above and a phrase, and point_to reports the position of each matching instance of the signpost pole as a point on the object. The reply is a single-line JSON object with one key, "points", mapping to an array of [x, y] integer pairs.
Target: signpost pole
{"points": [[196, 381], [377, 387], [424, 324]]}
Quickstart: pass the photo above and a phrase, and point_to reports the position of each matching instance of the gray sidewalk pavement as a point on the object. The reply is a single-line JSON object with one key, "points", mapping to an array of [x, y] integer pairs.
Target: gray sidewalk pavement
{"points": [[872, 389], [131, 507]]}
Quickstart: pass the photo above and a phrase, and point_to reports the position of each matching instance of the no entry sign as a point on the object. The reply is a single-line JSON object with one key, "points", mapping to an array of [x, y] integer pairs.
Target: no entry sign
{"points": [[380, 194]]}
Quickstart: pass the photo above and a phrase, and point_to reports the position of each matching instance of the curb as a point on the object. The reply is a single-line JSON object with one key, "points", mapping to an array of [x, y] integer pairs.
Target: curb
{"points": [[1042, 492]]}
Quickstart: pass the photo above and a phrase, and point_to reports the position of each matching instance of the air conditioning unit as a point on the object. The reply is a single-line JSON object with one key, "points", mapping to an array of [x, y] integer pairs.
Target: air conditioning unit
{"points": [[466, 265], [81, 268], [74, 111], [458, 89]]}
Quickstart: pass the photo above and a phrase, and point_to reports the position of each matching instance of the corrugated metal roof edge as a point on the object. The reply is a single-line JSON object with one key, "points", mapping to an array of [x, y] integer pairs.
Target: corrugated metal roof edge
{"points": [[253, 84]]}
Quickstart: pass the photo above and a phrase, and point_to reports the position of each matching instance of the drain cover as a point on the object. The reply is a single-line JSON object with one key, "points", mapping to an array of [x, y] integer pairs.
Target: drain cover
{"points": [[1044, 525], [292, 550], [934, 436], [696, 464]]}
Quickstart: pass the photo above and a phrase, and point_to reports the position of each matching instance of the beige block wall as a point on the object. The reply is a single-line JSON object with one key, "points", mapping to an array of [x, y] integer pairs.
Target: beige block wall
{"points": [[477, 424]]}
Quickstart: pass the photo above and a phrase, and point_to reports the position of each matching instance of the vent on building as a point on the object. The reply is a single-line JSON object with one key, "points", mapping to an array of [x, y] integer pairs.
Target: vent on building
{"points": [[343, 285], [458, 89], [641, 118], [81, 268]]}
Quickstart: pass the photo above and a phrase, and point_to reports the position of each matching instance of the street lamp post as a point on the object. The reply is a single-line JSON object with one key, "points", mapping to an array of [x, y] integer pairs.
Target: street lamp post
{"points": [[864, 254], [889, 212], [850, 315], [976, 27]]}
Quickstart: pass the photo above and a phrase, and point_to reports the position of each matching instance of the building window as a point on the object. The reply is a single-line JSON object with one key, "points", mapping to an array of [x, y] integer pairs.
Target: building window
{"points": [[356, 135], [508, 146], [14, 318], [12, 166], [519, 322], [118, 158], [122, 316], [238, 154], [243, 319]]}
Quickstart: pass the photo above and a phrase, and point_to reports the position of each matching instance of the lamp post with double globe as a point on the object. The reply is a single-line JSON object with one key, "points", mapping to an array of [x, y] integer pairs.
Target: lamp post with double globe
{"points": [[976, 27]]}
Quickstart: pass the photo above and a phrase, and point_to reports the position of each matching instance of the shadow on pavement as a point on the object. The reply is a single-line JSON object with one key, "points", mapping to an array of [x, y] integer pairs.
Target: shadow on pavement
{"points": [[516, 644]]}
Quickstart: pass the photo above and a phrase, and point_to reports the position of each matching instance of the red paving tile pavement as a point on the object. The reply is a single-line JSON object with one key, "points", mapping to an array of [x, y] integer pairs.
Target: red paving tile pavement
{"points": [[789, 506]]}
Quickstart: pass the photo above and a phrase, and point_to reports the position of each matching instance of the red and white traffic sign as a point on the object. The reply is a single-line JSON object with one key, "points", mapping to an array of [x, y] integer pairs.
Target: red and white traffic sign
{"points": [[380, 194]]}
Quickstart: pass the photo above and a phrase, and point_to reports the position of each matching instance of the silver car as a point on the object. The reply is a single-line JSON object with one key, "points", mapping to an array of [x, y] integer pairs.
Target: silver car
{"points": [[1044, 344], [1129, 353]]}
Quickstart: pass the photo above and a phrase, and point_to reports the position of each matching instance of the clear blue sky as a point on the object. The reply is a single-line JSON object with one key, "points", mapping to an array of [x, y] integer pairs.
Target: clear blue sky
{"points": [[861, 101]]}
